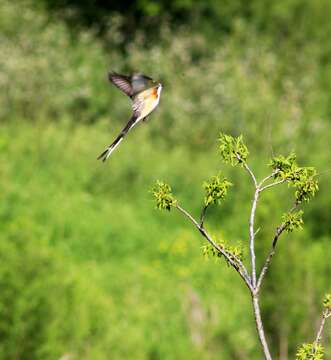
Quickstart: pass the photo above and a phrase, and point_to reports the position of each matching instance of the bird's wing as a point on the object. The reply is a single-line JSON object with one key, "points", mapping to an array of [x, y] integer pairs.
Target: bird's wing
{"points": [[137, 105], [122, 82]]}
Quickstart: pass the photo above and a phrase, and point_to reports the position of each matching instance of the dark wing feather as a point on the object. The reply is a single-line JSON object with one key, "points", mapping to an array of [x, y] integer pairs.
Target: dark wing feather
{"points": [[122, 82]]}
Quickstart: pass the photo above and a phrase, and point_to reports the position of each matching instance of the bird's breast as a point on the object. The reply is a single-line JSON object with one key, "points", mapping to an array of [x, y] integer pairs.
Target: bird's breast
{"points": [[155, 94]]}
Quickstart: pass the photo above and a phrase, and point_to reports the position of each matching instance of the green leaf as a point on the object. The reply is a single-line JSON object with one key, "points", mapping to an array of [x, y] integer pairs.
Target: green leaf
{"points": [[303, 179], [216, 189], [234, 252], [293, 221], [232, 149], [163, 196], [306, 185], [283, 165], [310, 352], [327, 302]]}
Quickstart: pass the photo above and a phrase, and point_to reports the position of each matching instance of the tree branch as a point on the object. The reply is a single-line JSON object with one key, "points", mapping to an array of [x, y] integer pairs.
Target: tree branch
{"points": [[246, 167], [259, 327], [237, 264], [266, 265], [279, 231], [252, 236], [272, 184], [326, 314], [268, 177], [203, 214]]}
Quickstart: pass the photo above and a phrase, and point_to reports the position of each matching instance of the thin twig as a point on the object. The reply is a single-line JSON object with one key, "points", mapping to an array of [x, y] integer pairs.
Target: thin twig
{"points": [[268, 177], [203, 214], [280, 229], [251, 220], [326, 314], [247, 169], [252, 236], [266, 265], [273, 184], [318, 339], [237, 265]]}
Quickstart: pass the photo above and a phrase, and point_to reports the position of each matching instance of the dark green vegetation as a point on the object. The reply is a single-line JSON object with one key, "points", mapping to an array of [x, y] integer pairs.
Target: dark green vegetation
{"points": [[88, 267]]}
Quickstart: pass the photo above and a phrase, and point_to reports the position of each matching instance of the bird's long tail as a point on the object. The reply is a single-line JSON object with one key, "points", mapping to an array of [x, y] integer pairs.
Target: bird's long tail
{"points": [[131, 123]]}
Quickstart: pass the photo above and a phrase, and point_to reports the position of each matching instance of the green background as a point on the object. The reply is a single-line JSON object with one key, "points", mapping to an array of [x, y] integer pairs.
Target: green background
{"points": [[89, 269]]}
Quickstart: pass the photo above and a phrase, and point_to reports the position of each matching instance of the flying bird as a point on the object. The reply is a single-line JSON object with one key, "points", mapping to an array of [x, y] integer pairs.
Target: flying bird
{"points": [[145, 95]]}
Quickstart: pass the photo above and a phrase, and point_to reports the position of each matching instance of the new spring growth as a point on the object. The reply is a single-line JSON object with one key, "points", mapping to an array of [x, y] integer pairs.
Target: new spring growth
{"points": [[234, 252], [163, 196], [216, 189], [310, 352], [232, 149], [327, 303], [315, 351], [302, 178], [292, 221]]}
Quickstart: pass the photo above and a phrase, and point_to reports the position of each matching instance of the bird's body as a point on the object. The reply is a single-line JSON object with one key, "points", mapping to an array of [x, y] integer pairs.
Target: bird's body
{"points": [[145, 94]]}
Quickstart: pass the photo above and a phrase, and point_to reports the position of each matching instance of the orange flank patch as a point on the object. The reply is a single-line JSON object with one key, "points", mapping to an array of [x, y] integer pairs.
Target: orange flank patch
{"points": [[154, 94]]}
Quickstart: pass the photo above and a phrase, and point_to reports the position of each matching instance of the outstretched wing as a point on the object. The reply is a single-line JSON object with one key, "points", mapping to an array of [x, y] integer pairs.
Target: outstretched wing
{"points": [[122, 82]]}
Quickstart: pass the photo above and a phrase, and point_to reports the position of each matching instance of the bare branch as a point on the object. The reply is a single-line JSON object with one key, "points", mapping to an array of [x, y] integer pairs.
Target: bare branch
{"points": [[268, 177], [247, 169], [203, 214], [252, 236], [272, 184], [266, 265], [259, 327], [279, 231], [251, 221], [326, 314], [236, 264]]}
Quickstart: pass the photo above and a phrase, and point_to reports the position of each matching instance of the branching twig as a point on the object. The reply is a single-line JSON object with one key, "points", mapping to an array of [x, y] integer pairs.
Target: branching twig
{"points": [[203, 214], [279, 231], [246, 167], [266, 265], [251, 220], [237, 264], [235, 152], [273, 184], [252, 236], [326, 314], [268, 177]]}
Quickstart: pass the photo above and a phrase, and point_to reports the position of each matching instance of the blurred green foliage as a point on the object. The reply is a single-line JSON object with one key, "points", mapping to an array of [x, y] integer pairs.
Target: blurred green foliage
{"points": [[88, 267]]}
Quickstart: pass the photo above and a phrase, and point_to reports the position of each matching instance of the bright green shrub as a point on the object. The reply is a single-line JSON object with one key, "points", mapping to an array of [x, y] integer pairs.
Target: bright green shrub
{"points": [[47, 72], [47, 308]]}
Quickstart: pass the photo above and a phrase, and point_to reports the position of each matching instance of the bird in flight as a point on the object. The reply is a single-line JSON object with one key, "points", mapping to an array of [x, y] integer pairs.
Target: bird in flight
{"points": [[145, 95]]}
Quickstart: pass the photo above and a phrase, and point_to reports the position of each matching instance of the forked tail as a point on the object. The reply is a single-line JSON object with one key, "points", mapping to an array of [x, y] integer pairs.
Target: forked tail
{"points": [[105, 155]]}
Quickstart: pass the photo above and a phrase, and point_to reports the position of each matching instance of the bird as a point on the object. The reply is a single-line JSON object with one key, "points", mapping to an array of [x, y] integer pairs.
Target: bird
{"points": [[145, 95]]}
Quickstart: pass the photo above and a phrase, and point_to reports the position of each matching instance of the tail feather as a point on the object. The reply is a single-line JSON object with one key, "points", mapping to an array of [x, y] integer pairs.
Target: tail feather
{"points": [[105, 155]]}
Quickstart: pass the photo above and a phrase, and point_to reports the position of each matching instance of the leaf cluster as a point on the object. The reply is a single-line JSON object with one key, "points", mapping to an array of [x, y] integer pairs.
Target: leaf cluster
{"points": [[232, 149], [302, 178], [310, 352], [216, 189], [327, 302], [234, 252], [292, 221], [163, 196]]}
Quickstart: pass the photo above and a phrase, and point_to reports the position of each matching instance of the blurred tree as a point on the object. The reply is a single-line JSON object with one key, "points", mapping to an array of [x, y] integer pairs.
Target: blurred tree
{"points": [[294, 18]]}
